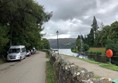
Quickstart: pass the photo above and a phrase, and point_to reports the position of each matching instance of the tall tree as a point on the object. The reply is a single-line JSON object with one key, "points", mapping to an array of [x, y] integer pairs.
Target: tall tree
{"points": [[90, 38], [94, 24], [94, 28], [3, 38], [45, 44], [78, 43], [23, 20]]}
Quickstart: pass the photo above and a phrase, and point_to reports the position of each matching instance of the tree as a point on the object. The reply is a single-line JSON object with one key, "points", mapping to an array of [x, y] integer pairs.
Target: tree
{"points": [[94, 28], [45, 44], [90, 38], [114, 31], [85, 47], [25, 18], [78, 43], [3, 37], [94, 24]]}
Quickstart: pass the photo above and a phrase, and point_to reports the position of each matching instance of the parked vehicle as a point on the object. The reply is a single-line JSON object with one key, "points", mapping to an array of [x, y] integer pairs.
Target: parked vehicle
{"points": [[33, 50], [28, 53], [17, 52]]}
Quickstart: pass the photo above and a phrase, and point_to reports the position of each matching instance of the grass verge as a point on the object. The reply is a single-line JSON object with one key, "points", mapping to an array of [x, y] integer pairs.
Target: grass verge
{"points": [[50, 76], [109, 66], [2, 61]]}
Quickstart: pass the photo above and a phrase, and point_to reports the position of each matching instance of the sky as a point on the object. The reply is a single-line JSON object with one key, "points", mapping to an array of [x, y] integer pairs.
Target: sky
{"points": [[74, 17]]}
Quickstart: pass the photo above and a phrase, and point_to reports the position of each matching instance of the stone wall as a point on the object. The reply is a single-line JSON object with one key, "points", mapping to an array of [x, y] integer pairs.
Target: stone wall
{"points": [[67, 72]]}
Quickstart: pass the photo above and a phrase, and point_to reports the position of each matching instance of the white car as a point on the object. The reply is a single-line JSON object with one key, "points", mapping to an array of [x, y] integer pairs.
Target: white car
{"points": [[28, 53]]}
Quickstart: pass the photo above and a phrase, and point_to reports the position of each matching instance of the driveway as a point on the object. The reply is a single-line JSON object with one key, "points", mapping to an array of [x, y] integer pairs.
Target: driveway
{"points": [[29, 70]]}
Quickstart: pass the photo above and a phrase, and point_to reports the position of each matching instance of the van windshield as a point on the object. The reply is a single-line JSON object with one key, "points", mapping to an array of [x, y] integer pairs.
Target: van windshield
{"points": [[14, 50]]}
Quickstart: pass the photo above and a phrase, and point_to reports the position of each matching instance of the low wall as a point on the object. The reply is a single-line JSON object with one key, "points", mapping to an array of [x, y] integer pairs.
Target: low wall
{"points": [[67, 72]]}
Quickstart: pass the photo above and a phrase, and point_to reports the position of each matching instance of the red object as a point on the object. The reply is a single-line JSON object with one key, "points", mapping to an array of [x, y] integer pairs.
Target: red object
{"points": [[109, 53]]}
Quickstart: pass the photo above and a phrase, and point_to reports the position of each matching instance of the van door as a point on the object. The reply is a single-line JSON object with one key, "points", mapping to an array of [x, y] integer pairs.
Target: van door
{"points": [[23, 52]]}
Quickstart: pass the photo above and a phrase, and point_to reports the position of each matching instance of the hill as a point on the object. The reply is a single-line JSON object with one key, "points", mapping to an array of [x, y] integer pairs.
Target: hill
{"points": [[63, 42]]}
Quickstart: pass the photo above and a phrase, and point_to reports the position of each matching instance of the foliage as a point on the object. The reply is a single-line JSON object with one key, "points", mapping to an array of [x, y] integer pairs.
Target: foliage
{"points": [[3, 37], [21, 23], [74, 49], [45, 44], [114, 47], [100, 49], [97, 56], [90, 38], [99, 37], [1, 61], [85, 47], [50, 76], [94, 24], [79, 43]]}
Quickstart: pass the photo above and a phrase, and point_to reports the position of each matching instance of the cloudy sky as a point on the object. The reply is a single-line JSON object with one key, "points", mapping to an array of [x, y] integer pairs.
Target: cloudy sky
{"points": [[74, 17]]}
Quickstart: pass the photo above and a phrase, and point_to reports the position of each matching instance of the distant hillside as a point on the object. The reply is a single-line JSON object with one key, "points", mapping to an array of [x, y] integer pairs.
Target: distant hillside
{"points": [[63, 42]]}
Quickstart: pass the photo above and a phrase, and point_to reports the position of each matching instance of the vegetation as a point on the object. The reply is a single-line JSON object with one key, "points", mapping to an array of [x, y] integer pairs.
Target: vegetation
{"points": [[104, 36], [100, 49], [45, 44], [50, 76], [21, 23], [1, 61], [80, 45]]}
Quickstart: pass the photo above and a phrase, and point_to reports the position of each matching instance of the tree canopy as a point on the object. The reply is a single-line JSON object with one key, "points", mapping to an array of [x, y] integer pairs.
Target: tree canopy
{"points": [[21, 22]]}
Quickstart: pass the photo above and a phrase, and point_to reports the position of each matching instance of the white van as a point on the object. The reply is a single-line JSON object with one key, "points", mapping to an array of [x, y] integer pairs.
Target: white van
{"points": [[16, 53]]}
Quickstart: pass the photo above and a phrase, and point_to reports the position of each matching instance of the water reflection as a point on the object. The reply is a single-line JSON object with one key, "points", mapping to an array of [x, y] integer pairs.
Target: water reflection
{"points": [[67, 52]]}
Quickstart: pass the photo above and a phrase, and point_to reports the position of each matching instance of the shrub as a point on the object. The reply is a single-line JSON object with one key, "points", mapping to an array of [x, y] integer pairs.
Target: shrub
{"points": [[85, 47], [97, 56]]}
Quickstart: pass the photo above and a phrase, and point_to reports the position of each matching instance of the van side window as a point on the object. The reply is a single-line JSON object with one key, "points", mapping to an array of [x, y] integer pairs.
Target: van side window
{"points": [[23, 50]]}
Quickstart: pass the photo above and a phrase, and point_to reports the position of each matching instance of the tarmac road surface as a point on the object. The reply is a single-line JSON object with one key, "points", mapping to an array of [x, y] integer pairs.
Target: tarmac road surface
{"points": [[29, 70]]}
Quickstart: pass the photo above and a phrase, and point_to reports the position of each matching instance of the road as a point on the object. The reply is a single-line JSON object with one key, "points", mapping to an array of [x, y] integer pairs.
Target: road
{"points": [[29, 70], [99, 71]]}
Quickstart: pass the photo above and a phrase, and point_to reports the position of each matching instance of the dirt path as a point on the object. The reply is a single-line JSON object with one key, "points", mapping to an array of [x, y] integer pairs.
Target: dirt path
{"points": [[99, 71], [29, 70]]}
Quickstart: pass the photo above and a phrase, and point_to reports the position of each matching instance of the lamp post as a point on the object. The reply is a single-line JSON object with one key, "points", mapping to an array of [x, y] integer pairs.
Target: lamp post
{"points": [[81, 41], [57, 41]]}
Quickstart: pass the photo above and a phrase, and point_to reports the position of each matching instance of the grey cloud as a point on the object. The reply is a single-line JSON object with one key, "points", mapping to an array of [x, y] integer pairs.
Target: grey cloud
{"points": [[75, 9], [65, 11]]}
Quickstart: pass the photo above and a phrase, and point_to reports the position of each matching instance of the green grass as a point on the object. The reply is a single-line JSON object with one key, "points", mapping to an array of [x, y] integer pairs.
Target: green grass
{"points": [[1, 61], [102, 50], [90, 61], [109, 66], [50, 76]]}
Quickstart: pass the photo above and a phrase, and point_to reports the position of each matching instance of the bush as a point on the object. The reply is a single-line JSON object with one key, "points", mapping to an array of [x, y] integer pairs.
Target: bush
{"points": [[97, 56], [85, 47], [114, 47]]}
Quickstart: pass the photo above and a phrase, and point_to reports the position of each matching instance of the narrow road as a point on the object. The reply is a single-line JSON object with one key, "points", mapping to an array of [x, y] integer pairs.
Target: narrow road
{"points": [[29, 70], [99, 71]]}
